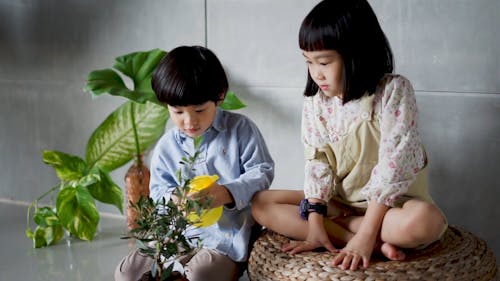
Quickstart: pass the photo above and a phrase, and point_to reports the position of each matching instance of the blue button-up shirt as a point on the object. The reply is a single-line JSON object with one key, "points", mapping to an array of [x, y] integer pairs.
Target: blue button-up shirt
{"points": [[234, 149]]}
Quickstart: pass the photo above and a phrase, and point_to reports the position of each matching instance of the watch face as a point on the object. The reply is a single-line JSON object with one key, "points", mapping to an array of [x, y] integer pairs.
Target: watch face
{"points": [[304, 209]]}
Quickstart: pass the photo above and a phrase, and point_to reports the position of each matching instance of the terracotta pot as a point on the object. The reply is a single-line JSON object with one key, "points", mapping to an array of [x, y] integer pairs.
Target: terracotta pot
{"points": [[136, 185]]}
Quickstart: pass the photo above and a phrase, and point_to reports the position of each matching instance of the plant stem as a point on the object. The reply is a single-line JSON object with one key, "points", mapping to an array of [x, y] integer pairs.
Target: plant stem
{"points": [[35, 202], [136, 138]]}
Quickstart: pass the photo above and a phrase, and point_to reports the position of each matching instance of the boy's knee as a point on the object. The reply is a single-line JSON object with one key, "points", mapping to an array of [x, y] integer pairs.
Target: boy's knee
{"points": [[210, 265], [132, 267]]}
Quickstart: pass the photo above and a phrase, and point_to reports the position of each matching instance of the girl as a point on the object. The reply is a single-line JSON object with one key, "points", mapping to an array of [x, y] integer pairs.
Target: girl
{"points": [[365, 173]]}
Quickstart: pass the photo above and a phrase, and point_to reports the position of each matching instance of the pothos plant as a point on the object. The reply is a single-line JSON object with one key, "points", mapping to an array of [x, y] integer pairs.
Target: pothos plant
{"points": [[126, 134]]}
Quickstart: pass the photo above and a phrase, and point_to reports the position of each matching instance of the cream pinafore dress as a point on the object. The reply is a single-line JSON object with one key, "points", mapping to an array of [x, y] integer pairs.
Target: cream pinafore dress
{"points": [[352, 159]]}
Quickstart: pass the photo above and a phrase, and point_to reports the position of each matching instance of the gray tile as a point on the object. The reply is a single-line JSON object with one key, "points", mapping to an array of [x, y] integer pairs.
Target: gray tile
{"points": [[461, 133], [53, 116], [257, 40], [277, 113], [445, 45], [64, 40]]}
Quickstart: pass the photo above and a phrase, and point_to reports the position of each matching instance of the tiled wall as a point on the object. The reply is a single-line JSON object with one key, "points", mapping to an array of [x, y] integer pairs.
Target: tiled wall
{"points": [[449, 49]]}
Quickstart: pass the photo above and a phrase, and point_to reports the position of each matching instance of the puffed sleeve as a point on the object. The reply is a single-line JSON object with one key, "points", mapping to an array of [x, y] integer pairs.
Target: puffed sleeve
{"points": [[318, 175], [401, 153]]}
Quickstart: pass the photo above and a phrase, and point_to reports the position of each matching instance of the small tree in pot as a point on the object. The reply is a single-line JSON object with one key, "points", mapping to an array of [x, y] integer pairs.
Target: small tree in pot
{"points": [[161, 226]]}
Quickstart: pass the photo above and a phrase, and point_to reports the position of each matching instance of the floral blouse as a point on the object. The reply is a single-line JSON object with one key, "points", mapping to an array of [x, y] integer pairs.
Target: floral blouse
{"points": [[401, 154]]}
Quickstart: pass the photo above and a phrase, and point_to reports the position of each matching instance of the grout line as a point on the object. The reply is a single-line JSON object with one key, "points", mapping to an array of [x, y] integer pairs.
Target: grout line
{"points": [[27, 204], [206, 23]]}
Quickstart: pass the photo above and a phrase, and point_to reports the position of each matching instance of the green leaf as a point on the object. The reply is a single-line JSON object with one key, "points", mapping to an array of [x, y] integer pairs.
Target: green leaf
{"points": [[46, 236], [112, 144], [138, 66], [104, 81], [231, 102], [68, 167], [107, 191], [92, 177], [197, 142], [77, 212], [45, 217], [166, 272], [107, 81]]}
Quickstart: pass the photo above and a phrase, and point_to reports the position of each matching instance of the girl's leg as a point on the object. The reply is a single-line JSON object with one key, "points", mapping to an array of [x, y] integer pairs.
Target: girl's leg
{"points": [[278, 210], [415, 224]]}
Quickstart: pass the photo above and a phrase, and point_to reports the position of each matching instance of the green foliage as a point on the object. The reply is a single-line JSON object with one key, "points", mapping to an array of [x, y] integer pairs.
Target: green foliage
{"points": [[125, 134], [138, 66], [161, 226]]}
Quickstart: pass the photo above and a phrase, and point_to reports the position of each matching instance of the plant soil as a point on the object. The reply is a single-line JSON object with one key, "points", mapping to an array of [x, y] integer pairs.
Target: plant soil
{"points": [[174, 276]]}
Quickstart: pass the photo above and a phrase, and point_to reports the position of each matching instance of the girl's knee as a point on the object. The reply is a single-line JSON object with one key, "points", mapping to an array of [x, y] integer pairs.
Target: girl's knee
{"points": [[259, 207], [426, 223]]}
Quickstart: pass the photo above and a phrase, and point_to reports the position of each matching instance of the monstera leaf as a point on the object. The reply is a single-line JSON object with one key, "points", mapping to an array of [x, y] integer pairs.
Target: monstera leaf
{"points": [[138, 66]]}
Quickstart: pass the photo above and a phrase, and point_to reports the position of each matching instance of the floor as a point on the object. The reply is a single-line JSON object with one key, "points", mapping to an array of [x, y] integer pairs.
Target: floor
{"points": [[69, 260]]}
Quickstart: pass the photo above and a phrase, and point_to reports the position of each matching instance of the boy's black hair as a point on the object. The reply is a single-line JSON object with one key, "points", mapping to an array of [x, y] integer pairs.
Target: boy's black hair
{"points": [[351, 28], [189, 75]]}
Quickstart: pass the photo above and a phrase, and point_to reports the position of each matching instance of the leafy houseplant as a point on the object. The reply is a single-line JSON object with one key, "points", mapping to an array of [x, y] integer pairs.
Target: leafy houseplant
{"points": [[161, 226], [125, 134]]}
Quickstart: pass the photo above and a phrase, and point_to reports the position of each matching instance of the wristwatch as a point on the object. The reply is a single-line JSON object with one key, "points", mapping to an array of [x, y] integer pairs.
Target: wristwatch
{"points": [[306, 207]]}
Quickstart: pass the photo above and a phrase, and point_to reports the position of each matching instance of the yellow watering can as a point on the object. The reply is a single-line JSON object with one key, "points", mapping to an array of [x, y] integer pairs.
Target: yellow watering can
{"points": [[209, 216]]}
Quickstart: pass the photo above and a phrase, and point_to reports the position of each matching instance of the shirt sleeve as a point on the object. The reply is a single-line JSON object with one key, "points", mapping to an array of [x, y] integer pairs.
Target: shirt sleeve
{"points": [[162, 180], [401, 153], [257, 166], [318, 175]]}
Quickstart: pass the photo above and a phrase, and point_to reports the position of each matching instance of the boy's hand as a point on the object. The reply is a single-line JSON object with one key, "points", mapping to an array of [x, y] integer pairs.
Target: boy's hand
{"points": [[216, 193]]}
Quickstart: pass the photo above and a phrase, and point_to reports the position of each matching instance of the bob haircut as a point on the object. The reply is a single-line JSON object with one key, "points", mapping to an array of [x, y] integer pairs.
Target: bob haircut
{"points": [[189, 75], [351, 28]]}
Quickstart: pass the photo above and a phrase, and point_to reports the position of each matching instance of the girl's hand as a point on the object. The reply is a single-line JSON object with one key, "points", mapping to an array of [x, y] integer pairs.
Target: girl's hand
{"points": [[316, 237], [358, 251]]}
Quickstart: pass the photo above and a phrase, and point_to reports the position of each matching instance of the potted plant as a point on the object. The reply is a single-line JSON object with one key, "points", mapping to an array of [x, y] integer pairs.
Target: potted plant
{"points": [[124, 135], [161, 226]]}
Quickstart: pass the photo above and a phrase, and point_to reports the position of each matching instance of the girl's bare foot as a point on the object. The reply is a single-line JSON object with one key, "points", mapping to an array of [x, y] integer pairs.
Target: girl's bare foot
{"points": [[391, 252]]}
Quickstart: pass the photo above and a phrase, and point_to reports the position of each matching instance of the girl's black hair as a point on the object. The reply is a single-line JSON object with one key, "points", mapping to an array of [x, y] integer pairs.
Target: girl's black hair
{"points": [[189, 75], [351, 28]]}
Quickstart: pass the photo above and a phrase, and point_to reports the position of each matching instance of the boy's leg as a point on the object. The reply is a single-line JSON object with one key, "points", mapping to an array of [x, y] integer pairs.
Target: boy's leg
{"points": [[133, 266], [210, 265]]}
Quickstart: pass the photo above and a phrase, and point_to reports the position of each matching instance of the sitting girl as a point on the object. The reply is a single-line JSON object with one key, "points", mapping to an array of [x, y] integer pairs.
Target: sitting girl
{"points": [[365, 173]]}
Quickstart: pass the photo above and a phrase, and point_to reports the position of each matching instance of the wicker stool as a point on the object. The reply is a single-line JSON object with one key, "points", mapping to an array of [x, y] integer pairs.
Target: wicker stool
{"points": [[459, 255]]}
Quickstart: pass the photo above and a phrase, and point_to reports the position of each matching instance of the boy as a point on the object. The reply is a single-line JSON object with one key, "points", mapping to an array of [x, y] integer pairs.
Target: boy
{"points": [[192, 83]]}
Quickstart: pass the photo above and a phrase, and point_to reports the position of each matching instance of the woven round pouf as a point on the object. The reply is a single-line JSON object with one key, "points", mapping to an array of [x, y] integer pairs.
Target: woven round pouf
{"points": [[459, 255]]}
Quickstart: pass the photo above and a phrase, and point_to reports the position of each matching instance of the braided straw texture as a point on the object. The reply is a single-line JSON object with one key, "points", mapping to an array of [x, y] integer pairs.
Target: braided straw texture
{"points": [[459, 255]]}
